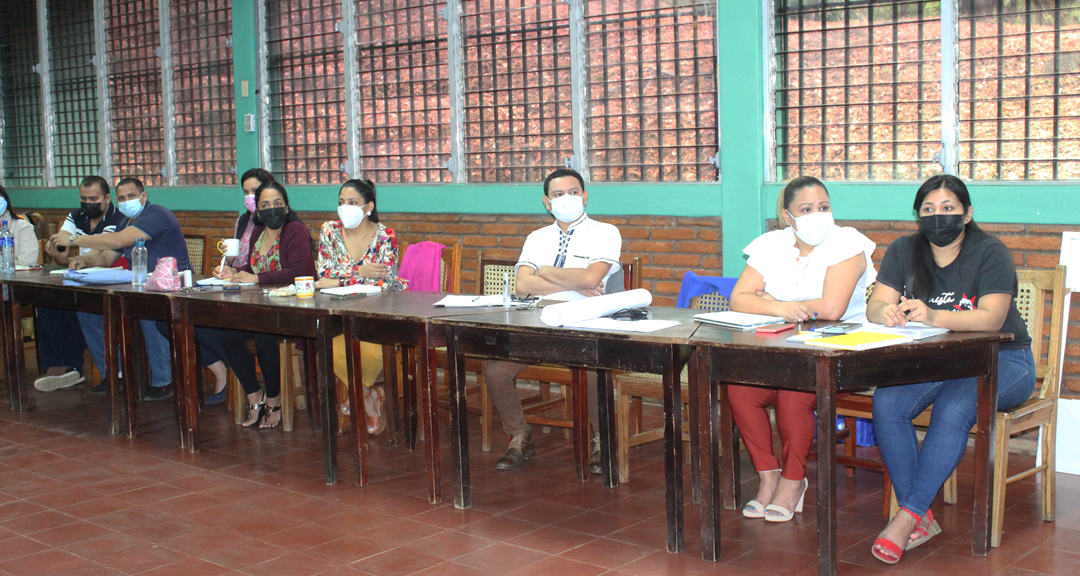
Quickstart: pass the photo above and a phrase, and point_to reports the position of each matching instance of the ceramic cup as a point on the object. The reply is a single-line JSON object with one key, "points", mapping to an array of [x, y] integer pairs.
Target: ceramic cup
{"points": [[230, 248], [305, 287]]}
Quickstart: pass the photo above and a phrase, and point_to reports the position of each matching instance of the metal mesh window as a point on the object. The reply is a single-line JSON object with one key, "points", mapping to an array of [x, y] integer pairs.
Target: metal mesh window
{"points": [[20, 93], [404, 90], [203, 91], [858, 89], [517, 89], [652, 90], [138, 138], [74, 90], [1020, 90], [307, 94]]}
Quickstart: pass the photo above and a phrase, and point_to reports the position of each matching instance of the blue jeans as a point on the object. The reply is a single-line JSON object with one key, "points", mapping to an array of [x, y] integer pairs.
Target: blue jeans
{"points": [[157, 347], [59, 339], [918, 473]]}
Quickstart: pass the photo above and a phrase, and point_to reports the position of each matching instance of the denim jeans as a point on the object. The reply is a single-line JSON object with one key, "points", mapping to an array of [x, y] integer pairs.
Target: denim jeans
{"points": [[919, 472], [157, 347], [59, 339]]}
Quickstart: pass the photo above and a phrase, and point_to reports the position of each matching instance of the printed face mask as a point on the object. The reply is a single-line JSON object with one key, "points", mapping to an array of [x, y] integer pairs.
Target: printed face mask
{"points": [[941, 229], [351, 216], [131, 208], [568, 207], [813, 228]]}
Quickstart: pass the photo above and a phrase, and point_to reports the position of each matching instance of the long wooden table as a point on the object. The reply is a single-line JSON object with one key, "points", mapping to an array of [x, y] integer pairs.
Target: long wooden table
{"points": [[730, 357], [520, 336]]}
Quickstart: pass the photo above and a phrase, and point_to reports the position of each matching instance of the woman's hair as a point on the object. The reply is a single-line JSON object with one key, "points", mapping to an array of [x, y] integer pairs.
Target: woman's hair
{"points": [[366, 189], [921, 269], [290, 217], [4, 195], [259, 174]]}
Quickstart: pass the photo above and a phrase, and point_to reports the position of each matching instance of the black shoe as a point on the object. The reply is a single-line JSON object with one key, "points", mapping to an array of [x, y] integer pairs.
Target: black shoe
{"points": [[594, 458], [102, 388], [159, 393], [521, 448]]}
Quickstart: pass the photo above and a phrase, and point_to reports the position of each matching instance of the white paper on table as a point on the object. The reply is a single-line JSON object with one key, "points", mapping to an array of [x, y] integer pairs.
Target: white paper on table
{"points": [[916, 330], [355, 289], [624, 325], [589, 308], [221, 282], [463, 301], [94, 269]]}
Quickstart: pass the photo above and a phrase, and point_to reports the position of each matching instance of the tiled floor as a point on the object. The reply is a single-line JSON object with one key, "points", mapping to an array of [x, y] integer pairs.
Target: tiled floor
{"points": [[74, 500]]}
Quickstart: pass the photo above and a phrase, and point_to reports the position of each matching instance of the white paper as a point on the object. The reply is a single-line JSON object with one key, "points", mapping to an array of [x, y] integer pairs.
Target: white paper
{"points": [[460, 301], [356, 289], [221, 282], [85, 270], [915, 330], [624, 326], [589, 308], [741, 320]]}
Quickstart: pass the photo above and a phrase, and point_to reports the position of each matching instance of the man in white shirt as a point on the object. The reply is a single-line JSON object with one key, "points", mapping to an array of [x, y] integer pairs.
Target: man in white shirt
{"points": [[572, 259]]}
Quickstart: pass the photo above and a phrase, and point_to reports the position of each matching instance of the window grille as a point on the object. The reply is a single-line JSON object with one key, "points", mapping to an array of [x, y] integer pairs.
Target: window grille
{"points": [[517, 89], [652, 90], [404, 90], [1019, 89], [20, 93], [306, 76], [138, 138], [203, 87], [74, 90], [858, 88]]}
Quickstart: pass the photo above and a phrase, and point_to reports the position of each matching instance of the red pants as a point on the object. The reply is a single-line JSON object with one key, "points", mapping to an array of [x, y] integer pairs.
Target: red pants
{"points": [[794, 419]]}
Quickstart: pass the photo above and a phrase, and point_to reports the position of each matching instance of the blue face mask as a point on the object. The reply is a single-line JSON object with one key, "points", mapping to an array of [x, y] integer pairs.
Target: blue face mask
{"points": [[131, 208], [3, 205]]}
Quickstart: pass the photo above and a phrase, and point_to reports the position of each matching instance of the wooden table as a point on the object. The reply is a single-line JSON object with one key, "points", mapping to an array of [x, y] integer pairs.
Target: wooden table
{"points": [[311, 319], [400, 318], [520, 336], [726, 356]]}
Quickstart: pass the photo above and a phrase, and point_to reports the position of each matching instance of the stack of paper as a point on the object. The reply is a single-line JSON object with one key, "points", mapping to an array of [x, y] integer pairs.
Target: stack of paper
{"points": [[737, 320], [348, 290], [916, 330], [864, 340]]}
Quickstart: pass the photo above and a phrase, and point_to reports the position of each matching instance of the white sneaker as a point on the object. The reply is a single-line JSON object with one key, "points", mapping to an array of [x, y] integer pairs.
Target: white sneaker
{"points": [[56, 381]]}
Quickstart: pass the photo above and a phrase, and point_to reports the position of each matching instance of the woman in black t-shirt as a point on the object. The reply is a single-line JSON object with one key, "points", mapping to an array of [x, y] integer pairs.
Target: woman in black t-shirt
{"points": [[950, 275]]}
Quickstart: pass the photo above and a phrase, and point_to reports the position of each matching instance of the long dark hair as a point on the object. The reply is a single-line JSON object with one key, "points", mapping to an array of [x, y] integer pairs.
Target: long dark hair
{"points": [[921, 268], [366, 190], [290, 217]]}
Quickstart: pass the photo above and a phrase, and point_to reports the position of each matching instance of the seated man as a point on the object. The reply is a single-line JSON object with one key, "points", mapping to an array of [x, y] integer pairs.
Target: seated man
{"points": [[60, 339], [160, 229], [571, 259]]}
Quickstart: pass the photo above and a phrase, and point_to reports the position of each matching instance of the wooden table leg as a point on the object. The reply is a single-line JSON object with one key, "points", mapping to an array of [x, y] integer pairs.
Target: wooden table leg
{"points": [[356, 400], [15, 351], [673, 452], [580, 394], [730, 441], [694, 423], [984, 455], [826, 466], [183, 340], [128, 343], [708, 431], [429, 397], [408, 354], [110, 314], [390, 384], [311, 377], [605, 402], [459, 423], [324, 364]]}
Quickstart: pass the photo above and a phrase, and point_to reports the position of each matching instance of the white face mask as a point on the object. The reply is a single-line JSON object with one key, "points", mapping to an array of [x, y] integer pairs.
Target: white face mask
{"points": [[814, 228], [568, 207], [351, 216], [131, 208]]}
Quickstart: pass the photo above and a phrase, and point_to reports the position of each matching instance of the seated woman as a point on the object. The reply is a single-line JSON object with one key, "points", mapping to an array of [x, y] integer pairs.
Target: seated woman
{"points": [[245, 224], [27, 248], [280, 251], [357, 249], [950, 275], [811, 269]]}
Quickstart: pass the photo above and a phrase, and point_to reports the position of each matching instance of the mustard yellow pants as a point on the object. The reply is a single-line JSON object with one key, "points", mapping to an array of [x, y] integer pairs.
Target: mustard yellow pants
{"points": [[371, 363]]}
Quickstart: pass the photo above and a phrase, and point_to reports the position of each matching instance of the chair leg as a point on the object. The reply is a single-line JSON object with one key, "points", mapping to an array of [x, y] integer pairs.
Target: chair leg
{"points": [[622, 423], [344, 422], [894, 507], [888, 497], [545, 397], [950, 489], [239, 399], [567, 410], [1050, 459], [849, 443], [485, 411], [639, 418], [285, 350], [1001, 474]]}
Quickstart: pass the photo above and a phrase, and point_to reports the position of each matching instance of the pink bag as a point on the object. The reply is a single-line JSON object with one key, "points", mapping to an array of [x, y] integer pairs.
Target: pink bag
{"points": [[164, 278]]}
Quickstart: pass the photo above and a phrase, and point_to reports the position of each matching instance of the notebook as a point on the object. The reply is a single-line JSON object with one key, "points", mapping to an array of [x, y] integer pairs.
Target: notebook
{"points": [[864, 340], [916, 330], [737, 320]]}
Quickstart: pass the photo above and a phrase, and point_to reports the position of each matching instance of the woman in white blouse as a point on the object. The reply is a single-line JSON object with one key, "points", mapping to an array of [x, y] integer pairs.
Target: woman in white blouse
{"points": [[26, 242], [812, 269]]}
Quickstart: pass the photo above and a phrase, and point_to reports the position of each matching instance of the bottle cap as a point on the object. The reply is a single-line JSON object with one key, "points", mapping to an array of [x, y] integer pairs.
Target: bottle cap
{"points": [[140, 243]]}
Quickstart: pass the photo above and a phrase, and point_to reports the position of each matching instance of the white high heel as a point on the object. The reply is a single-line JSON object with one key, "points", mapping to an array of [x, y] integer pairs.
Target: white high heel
{"points": [[774, 513], [753, 509]]}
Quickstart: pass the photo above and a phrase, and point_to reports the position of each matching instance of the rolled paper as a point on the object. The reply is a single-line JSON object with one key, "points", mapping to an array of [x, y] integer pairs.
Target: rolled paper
{"points": [[576, 311]]}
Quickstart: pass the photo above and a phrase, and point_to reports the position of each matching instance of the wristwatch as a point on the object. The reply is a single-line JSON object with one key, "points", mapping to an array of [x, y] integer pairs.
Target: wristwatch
{"points": [[341, 282]]}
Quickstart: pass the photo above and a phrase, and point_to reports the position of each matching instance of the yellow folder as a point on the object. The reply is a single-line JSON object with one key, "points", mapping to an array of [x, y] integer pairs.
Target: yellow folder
{"points": [[859, 340]]}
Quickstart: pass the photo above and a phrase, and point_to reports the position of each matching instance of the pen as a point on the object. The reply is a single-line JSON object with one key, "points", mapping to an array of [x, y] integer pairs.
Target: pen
{"points": [[477, 298], [221, 270]]}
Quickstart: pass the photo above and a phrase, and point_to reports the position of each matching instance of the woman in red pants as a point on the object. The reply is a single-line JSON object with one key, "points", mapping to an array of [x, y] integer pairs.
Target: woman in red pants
{"points": [[812, 269]]}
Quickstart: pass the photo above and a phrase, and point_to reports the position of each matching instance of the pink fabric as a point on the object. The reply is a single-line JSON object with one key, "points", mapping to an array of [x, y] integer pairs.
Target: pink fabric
{"points": [[421, 265], [164, 278]]}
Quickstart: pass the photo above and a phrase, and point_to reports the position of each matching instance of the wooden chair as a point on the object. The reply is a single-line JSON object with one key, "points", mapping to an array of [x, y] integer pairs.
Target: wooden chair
{"points": [[631, 388], [199, 253]]}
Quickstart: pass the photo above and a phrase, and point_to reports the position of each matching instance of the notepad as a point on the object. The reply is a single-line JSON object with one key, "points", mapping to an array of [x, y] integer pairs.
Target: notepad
{"points": [[864, 340], [737, 320], [916, 330]]}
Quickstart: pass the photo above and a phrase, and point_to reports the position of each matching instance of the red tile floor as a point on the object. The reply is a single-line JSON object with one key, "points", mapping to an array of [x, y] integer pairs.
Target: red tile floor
{"points": [[74, 500]]}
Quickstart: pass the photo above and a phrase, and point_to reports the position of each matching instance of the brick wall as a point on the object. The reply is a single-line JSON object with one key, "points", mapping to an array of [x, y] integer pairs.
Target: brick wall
{"points": [[667, 246]]}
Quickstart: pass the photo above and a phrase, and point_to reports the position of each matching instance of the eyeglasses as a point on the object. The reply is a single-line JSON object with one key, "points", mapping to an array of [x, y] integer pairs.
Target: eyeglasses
{"points": [[630, 314]]}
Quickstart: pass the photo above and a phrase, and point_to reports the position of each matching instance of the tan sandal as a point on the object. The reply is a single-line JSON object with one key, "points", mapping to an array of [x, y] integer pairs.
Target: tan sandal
{"points": [[373, 408]]}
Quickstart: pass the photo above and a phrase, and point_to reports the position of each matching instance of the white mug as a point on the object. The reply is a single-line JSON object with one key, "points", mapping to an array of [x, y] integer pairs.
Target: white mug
{"points": [[230, 247], [305, 287]]}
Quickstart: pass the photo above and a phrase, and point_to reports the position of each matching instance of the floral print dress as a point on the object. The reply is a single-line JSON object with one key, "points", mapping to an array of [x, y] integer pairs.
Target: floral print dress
{"points": [[335, 262]]}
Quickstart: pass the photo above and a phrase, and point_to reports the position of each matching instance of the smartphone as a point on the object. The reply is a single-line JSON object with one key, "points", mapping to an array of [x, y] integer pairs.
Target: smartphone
{"points": [[774, 328], [841, 328]]}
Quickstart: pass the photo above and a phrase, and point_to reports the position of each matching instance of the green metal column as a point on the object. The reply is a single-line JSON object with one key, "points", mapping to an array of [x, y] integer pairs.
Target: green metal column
{"points": [[245, 66]]}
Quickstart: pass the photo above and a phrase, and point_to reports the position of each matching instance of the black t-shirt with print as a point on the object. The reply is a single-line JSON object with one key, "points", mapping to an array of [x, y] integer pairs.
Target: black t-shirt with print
{"points": [[983, 267]]}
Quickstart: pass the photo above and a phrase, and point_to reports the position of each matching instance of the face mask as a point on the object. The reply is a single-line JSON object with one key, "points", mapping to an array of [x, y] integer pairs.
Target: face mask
{"points": [[351, 216], [92, 210], [814, 228], [249, 202], [273, 218], [567, 208], [131, 208], [941, 229], [3, 205]]}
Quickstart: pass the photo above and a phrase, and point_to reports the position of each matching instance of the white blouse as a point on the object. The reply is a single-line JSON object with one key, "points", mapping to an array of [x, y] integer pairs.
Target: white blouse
{"points": [[789, 277]]}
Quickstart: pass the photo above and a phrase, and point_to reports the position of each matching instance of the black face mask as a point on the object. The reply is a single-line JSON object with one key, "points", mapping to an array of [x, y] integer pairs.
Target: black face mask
{"points": [[92, 210], [273, 218], [942, 229]]}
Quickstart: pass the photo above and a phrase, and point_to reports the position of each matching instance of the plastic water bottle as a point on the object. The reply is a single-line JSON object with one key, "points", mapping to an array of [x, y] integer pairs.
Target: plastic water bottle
{"points": [[7, 248], [138, 263]]}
